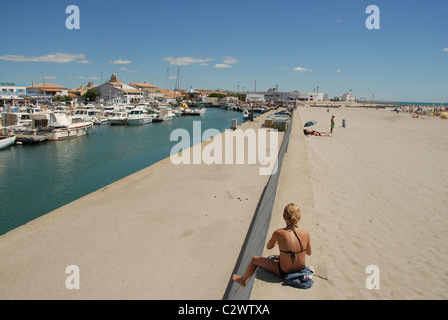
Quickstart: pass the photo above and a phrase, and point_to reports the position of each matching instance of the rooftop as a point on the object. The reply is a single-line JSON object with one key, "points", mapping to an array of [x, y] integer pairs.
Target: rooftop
{"points": [[48, 85], [143, 85]]}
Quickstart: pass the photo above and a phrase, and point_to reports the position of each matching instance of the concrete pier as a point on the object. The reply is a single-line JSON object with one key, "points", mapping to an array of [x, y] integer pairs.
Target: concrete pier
{"points": [[166, 232]]}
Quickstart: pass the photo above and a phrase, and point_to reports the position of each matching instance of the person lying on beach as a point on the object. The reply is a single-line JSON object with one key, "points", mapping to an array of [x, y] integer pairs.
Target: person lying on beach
{"points": [[309, 132], [293, 244]]}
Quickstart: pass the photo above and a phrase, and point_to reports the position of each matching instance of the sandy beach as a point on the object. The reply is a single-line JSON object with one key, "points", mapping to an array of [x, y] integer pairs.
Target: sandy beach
{"points": [[379, 197]]}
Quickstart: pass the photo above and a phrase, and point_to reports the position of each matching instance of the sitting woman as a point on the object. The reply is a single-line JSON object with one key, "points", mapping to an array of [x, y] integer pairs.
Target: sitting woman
{"points": [[293, 243]]}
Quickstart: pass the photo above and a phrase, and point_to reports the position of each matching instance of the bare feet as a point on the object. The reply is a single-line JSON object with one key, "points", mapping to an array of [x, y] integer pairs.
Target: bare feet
{"points": [[239, 280]]}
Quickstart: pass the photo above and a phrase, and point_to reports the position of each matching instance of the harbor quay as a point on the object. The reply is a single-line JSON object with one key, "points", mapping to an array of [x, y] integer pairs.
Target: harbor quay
{"points": [[169, 231]]}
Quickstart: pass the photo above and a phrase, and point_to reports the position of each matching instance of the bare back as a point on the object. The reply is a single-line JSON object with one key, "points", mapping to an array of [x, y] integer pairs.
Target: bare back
{"points": [[292, 248]]}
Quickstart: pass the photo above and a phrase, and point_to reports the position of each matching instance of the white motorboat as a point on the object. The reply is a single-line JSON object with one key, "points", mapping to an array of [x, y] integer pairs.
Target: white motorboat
{"points": [[177, 111], [90, 114], [118, 118], [101, 119], [194, 111], [138, 116], [6, 141], [16, 120], [68, 128], [164, 115]]}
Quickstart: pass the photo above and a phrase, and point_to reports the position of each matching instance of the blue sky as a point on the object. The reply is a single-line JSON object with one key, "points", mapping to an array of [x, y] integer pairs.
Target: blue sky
{"points": [[295, 44]]}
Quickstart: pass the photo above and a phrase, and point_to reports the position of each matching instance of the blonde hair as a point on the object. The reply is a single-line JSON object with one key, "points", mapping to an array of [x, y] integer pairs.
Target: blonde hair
{"points": [[292, 213]]}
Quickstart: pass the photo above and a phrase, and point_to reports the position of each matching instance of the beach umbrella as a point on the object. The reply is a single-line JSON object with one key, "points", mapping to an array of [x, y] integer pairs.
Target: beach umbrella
{"points": [[444, 115], [310, 123]]}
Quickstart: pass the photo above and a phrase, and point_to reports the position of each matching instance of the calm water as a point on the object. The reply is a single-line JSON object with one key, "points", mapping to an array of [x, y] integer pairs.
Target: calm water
{"points": [[38, 179]]}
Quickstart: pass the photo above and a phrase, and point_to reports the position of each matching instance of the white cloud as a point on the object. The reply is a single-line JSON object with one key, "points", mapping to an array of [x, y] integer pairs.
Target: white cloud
{"points": [[89, 78], [84, 61], [337, 70], [51, 58], [186, 61], [230, 60], [222, 65], [50, 77], [126, 70], [445, 49], [300, 69], [119, 61]]}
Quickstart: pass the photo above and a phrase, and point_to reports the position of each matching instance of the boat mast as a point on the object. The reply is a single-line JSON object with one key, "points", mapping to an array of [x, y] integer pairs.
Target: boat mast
{"points": [[102, 90], [168, 79], [45, 89]]}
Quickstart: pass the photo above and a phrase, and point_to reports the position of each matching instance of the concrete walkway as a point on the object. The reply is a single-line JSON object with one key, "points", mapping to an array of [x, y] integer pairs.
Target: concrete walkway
{"points": [[166, 232]]}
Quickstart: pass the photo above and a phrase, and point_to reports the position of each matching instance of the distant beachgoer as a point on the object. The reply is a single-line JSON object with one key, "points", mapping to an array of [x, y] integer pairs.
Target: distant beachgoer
{"points": [[293, 243], [309, 132], [332, 124]]}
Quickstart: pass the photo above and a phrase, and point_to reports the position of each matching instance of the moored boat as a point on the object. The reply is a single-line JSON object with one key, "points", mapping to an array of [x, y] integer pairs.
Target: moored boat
{"points": [[138, 116], [118, 118], [6, 141], [16, 120], [194, 111], [68, 128], [164, 115], [38, 132]]}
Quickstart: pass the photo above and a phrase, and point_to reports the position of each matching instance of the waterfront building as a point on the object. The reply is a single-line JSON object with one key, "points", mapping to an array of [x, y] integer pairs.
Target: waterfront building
{"points": [[255, 97], [150, 91], [229, 101], [78, 92], [347, 97], [50, 89], [115, 90], [11, 92], [272, 95], [313, 96]]}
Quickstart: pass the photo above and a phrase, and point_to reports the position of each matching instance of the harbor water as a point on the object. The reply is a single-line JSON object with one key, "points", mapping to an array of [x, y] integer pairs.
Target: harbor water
{"points": [[40, 178]]}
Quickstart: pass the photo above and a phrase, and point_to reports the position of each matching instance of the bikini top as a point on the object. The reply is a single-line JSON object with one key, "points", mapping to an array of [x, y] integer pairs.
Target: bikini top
{"points": [[293, 253]]}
